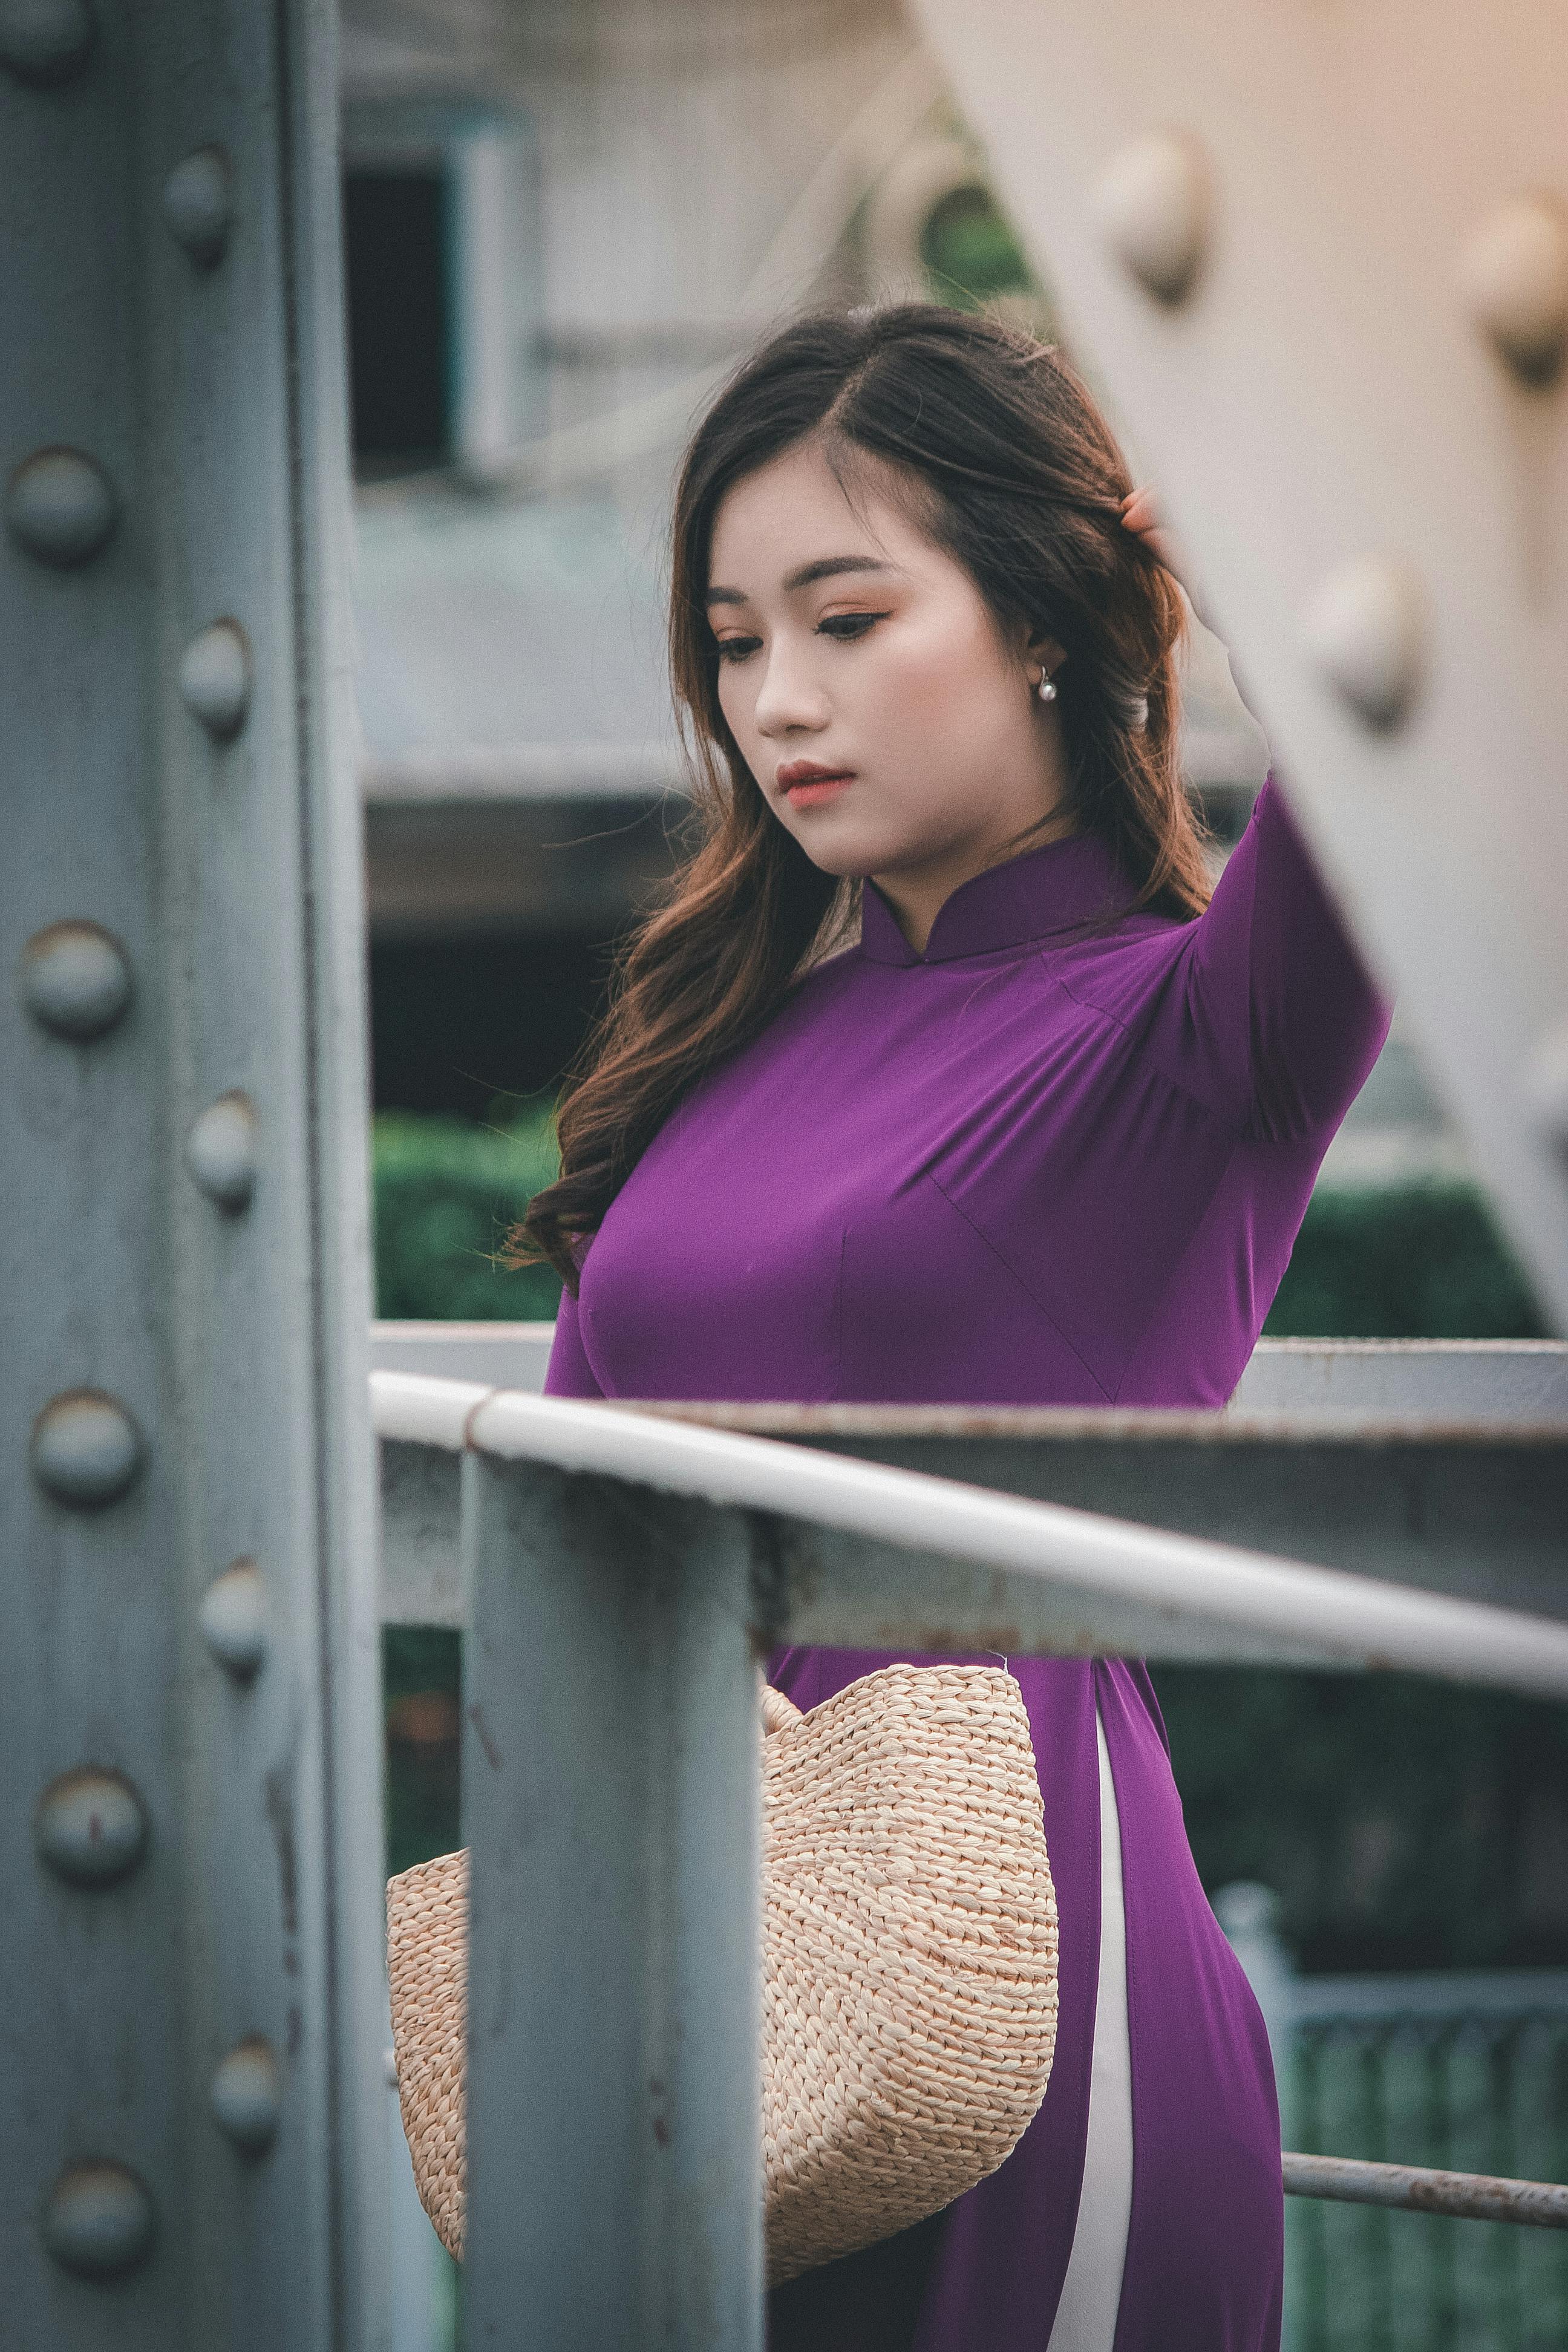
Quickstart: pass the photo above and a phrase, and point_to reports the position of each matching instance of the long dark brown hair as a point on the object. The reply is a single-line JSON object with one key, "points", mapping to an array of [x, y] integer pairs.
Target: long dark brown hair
{"points": [[1010, 468]]}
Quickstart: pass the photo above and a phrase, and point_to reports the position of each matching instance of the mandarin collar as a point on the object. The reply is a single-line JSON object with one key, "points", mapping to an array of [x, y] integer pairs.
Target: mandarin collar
{"points": [[1061, 886]]}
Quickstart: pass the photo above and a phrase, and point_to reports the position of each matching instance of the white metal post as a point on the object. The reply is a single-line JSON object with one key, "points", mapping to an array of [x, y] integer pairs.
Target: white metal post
{"points": [[189, 1821], [610, 1777]]}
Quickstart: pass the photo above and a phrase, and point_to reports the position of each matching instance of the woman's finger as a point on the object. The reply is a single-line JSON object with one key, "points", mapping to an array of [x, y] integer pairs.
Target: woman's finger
{"points": [[1140, 515], [1141, 510]]}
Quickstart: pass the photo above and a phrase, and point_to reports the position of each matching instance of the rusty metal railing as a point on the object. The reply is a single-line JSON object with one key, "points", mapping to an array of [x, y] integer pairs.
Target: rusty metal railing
{"points": [[1417, 2188]]}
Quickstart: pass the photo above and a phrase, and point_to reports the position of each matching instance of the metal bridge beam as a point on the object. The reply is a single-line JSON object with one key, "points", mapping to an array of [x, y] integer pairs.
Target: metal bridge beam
{"points": [[623, 1573], [189, 1822], [860, 1555], [611, 1798], [1474, 1510], [1319, 259], [1451, 1507]]}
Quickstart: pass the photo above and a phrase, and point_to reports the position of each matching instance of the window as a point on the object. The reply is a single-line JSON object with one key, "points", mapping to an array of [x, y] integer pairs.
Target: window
{"points": [[398, 265]]}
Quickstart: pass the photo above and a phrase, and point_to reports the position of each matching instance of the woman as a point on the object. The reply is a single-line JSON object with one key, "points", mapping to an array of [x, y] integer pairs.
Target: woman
{"points": [[1043, 1134]]}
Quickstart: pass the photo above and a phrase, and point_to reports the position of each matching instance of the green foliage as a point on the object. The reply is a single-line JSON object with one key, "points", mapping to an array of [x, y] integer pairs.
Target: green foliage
{"points": [[1422, 1262], [421, 1663], [420, 1658], [1396, 1820], [969, 253], [447, 1194], [1404, 1823]]}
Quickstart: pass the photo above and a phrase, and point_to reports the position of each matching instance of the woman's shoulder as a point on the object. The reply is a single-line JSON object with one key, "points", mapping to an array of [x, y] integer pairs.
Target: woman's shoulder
{"points": [[1138, 941], [1129, 967], [825, 980]]}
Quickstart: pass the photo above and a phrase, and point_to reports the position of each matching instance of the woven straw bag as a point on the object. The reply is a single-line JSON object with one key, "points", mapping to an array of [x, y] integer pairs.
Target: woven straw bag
{"points": [[909, 1956]]}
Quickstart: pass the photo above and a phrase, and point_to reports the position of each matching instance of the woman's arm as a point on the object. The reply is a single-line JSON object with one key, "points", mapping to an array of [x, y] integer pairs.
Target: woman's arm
{"points": [[1278, 995], [1279, 1005], [569, 1373]]}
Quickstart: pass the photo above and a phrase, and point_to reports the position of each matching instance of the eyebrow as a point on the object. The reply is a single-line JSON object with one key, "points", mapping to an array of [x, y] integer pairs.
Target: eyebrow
{"points": [[827, 567]]}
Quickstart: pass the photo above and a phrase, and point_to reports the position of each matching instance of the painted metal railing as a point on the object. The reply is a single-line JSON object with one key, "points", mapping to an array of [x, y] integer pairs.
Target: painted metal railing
{"points": [[623, 1571], [1467, 2073], [1466, 1382]]}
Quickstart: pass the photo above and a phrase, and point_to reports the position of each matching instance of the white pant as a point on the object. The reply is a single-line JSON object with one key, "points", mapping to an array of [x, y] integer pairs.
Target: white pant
{"points": [[1092, 2291]]}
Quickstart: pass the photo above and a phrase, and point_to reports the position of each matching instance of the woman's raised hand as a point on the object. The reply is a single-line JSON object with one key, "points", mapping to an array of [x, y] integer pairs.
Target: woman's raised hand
{"points": [[1140, 515]]}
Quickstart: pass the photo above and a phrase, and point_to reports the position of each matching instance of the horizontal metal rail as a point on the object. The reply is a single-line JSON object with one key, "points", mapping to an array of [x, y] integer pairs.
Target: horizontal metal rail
{"points": [[1414, 2189], [943, 1566], [1429, 1997], [1463, 1381], [622, 1571]]}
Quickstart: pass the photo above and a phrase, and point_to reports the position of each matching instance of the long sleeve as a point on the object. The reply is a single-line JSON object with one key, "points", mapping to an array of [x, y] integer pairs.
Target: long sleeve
{"points": [[569, 1372], [1280, 1012]]}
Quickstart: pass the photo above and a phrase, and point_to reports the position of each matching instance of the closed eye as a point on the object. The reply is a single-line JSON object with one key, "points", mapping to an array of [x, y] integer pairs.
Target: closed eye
{"points": [[842, 627], [848, 626]]}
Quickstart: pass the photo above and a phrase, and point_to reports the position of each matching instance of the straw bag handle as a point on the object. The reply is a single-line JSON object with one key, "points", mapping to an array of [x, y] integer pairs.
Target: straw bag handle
{"points": [[778, 1712]]}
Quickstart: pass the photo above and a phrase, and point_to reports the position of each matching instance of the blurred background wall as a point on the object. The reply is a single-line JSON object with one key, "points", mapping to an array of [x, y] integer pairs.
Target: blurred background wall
{"points": [[565, 224], [563, 228]]}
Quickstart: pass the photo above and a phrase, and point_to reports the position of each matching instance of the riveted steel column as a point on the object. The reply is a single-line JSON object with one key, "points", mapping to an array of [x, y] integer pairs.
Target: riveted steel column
{"points": [[610, 1774], [189, 1828]]}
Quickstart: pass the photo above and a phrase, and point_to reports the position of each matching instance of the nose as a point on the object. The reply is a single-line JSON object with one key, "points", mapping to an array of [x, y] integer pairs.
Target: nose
{"points": [[789, 700]]}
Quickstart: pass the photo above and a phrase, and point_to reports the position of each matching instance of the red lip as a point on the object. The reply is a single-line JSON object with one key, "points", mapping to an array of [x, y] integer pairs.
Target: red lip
{"points": [[808, 780]]}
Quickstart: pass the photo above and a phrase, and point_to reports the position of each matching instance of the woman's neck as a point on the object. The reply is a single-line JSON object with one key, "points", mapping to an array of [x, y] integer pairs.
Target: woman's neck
{"points": [[917, 894]]}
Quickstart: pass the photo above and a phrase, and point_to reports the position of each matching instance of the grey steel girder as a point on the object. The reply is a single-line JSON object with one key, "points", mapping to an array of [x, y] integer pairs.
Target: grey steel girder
{"points": [[614, 2002], [1477, 1511], [1317, 259], [190, 1833], [1456, 1381]]}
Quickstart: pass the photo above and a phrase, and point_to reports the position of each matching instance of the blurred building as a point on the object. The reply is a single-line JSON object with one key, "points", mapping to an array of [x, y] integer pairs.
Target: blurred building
{"points": [[564, 224]]}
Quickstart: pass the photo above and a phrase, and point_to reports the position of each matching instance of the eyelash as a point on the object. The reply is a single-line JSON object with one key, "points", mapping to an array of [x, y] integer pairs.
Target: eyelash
{"points": [[845, 628]]}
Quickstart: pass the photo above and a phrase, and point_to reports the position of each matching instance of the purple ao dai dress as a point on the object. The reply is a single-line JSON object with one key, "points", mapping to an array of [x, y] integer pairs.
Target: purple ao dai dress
{"points": [[1059, 1159]]}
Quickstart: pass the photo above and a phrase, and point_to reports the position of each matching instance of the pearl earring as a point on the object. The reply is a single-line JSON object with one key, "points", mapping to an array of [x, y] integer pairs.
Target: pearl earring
{"points": [[1047, 689]]}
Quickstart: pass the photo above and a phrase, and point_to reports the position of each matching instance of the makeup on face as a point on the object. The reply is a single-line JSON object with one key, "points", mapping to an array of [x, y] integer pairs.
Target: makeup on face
{"points": [[803, 782], [887, 718]]}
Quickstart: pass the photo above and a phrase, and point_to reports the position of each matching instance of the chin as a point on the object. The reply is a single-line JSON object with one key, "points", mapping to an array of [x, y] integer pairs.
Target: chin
{"points": [[852, 859], [840, 842]]}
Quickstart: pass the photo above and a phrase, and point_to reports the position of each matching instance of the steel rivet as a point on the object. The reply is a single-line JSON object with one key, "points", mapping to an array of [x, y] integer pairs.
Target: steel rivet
{"points": [[60, 506], [220, 1151], [99, 2220], [1363, 630], [45, 41], [214, 678], [86, 1449], [90, 1827], [248, 2095], [1152, 202], [233, 1618], [198, 204], [1513, 272], [75, 980], [1546, 1085]]}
